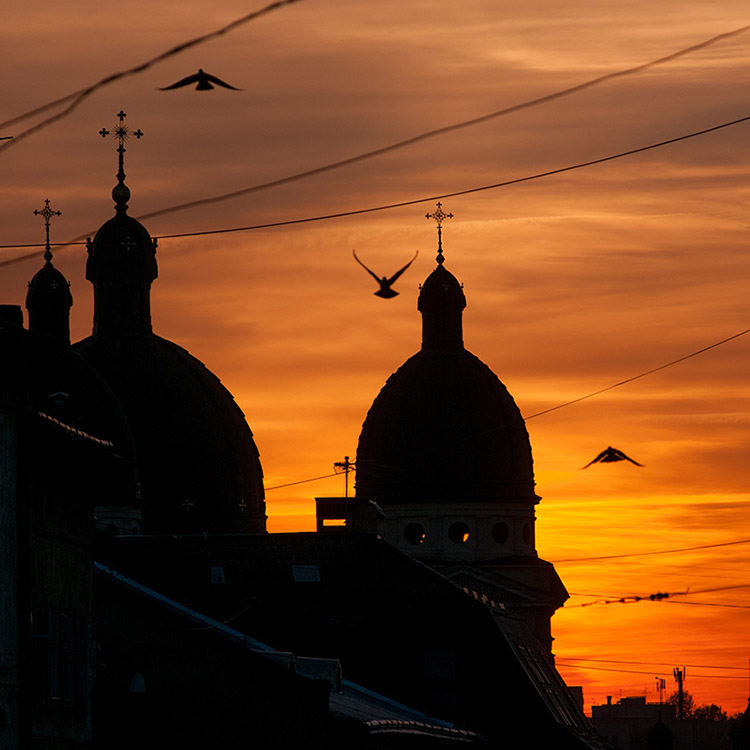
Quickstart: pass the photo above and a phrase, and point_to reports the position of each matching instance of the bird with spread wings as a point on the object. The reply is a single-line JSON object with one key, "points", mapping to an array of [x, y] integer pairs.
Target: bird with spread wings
{"points": [[204, 80], [610, 455], [385, 282]]}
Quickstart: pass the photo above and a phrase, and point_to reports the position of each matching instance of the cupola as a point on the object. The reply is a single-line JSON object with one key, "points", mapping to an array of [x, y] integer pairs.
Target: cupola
{"points": [[48, 300]]}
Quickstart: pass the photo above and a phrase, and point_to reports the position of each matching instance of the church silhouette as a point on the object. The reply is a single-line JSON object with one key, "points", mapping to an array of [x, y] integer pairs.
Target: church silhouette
{"points": [[145, 602]]}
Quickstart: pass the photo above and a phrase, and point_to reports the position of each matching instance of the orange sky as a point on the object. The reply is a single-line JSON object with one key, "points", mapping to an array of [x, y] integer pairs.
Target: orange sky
{"points": [[573, 282]]}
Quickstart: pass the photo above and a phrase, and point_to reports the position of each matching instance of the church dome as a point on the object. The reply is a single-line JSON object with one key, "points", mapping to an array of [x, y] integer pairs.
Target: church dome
{"points": [[198, 465], [48, 299], [197, 461], [444, 428]]}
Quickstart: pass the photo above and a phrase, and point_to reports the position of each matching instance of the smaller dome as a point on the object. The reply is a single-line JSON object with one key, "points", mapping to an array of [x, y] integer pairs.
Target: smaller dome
{"points": [[122, 251], [441, 302], [48, 301], [441, 289], [121, 266]]}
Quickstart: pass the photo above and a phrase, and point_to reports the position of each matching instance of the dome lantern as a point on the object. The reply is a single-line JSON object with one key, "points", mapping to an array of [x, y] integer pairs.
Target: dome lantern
{"points": [[122, 258]]}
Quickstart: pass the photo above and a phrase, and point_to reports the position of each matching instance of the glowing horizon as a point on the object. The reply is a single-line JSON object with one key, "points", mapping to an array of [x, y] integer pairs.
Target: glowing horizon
{"points": [[573, 282]]}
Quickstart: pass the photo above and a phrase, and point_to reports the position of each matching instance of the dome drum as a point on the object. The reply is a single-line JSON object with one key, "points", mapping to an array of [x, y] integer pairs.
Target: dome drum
{"points": [[475, 532]]}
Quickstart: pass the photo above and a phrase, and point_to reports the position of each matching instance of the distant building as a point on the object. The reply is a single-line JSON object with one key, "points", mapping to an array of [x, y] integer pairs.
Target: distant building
{"points": [[634, 724]]}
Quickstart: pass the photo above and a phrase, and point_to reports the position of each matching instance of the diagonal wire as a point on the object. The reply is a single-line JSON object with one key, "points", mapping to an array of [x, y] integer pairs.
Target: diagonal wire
{"points": [[77, 97], [647, 554], [638, 377], [411, 202], [449, 128]]}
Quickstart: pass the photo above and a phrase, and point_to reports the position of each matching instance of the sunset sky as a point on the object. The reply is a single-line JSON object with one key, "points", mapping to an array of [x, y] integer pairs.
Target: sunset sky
{"points": [[574, 282]]}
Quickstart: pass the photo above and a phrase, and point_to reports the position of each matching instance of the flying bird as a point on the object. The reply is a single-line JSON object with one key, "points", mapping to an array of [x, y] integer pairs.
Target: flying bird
{"points": [[610, 455], [204, 81], [385, 290]]}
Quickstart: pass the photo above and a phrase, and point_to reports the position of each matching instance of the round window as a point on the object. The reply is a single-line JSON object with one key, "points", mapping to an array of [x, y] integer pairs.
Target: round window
{"points": [[500, 532], [414, 533], [459, 532]]}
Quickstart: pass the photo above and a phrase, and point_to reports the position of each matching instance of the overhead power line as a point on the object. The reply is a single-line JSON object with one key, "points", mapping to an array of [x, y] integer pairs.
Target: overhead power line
{"points": [[668, 674], [456, 193], [638, 377], [77, 97], [80, 95], [402, 204], [447, 129], [301, 481], [647, 663], [654, 552], [710, 604]]}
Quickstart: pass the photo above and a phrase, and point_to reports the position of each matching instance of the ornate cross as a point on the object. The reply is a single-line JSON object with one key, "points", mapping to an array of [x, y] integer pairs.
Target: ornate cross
{"points": [[122, 132], [439, 215], [47, 213]]}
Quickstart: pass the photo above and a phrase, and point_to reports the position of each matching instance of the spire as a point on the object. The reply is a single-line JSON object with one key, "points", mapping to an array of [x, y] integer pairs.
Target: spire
{"points": [[120, 192], [122, 258], [441, 301], [48, 299], [48, 213], [439, 215]]}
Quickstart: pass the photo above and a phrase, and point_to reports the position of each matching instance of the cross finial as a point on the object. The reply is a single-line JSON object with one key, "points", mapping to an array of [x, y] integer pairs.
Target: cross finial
{"points": [[122, 132], [47, 213], [439, 215]]}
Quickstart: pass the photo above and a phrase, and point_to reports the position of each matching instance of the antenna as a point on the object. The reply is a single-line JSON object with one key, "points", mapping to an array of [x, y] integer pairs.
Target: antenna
{"points": [[661, 685], [679, 675]]}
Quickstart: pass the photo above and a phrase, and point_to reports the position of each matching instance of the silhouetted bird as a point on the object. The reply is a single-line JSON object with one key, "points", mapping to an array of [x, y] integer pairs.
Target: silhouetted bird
{"points": [[204, 81], [610, 455], [385, 290]]}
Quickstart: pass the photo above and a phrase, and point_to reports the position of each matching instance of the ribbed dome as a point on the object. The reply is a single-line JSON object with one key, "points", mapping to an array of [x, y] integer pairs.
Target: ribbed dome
{"points": [[197, 462], [444, 428]]}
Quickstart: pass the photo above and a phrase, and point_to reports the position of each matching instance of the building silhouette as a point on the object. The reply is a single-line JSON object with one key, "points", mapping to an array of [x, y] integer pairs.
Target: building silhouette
{"points": [[199, 467], [445, 455], [145, 604]]}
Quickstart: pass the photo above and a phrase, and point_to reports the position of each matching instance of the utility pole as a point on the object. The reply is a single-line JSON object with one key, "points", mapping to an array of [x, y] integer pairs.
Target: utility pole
{"points": [[679, 675], [346, 466]]}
